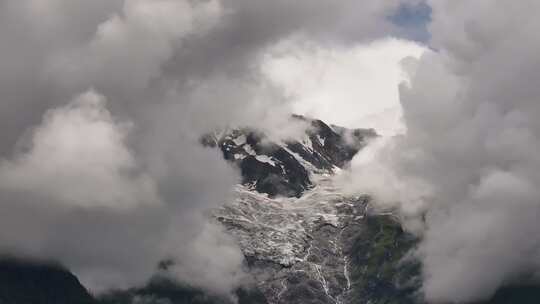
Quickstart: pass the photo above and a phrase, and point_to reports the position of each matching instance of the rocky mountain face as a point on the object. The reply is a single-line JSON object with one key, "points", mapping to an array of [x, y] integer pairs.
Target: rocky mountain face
{"points": [[303, 240], [284, 167], [23, 282], [306, 250]]}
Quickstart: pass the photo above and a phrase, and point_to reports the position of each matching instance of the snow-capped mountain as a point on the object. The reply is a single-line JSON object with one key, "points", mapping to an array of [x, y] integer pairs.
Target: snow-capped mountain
{"points": [[296, 230], [304, 241], [284, 167]]}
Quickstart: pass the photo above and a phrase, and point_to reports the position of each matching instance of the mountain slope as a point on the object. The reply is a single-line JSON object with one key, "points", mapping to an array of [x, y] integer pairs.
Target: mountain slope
{"points": [[23, 282], [303, 240]]}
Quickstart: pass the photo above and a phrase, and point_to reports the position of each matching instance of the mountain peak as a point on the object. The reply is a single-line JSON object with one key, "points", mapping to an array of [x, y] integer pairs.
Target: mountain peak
{"points": [[283, 167]]}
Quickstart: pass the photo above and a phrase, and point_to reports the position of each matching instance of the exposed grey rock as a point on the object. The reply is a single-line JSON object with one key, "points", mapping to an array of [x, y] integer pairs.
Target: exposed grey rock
{"points": [[283, 167], [297, 249]]}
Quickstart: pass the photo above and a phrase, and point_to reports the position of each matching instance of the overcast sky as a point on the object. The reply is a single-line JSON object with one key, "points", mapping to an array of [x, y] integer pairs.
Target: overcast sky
{"points": [[102, 103], [464, 176], [354, 86]]}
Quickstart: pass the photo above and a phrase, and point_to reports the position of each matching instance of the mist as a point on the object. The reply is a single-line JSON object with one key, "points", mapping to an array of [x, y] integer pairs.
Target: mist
{"points": [[464, 177], [102, 105]]}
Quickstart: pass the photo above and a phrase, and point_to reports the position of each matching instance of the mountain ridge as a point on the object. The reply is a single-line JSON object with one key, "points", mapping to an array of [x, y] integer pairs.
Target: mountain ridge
{"points": [[303, 240], [283, 167]]}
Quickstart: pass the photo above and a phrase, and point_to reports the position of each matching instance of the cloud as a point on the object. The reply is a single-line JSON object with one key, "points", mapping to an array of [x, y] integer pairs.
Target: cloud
{"points": [[148, 30], [471, 112], [74, 190], [110, 181], [349, 86], [93, 209], [218, 259], [77, 156]]}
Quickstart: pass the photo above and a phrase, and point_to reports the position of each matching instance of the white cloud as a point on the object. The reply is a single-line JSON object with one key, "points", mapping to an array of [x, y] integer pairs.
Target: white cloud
{"points": [[350, 86], [471, 110], [129, 48], [110, 199], [88, 204], [78, 157]]}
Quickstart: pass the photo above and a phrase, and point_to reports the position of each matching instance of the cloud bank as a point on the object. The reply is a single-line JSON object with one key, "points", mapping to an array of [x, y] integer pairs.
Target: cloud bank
{"points": [[351, 86], [465, 175], [101, 106]]}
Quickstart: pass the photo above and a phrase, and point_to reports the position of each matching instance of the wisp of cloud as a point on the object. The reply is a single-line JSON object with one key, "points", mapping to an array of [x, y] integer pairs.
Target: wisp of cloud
{"points": [[465, 176], [101, 107]]}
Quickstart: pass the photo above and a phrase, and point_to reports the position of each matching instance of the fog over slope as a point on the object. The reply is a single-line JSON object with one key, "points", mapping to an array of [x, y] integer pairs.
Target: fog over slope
{"points": [[468, 164], [101, 105]]}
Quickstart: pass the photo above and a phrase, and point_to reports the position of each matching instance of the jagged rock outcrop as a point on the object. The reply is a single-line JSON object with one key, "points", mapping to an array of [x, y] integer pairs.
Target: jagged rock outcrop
{"points": [[284, 167]]}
